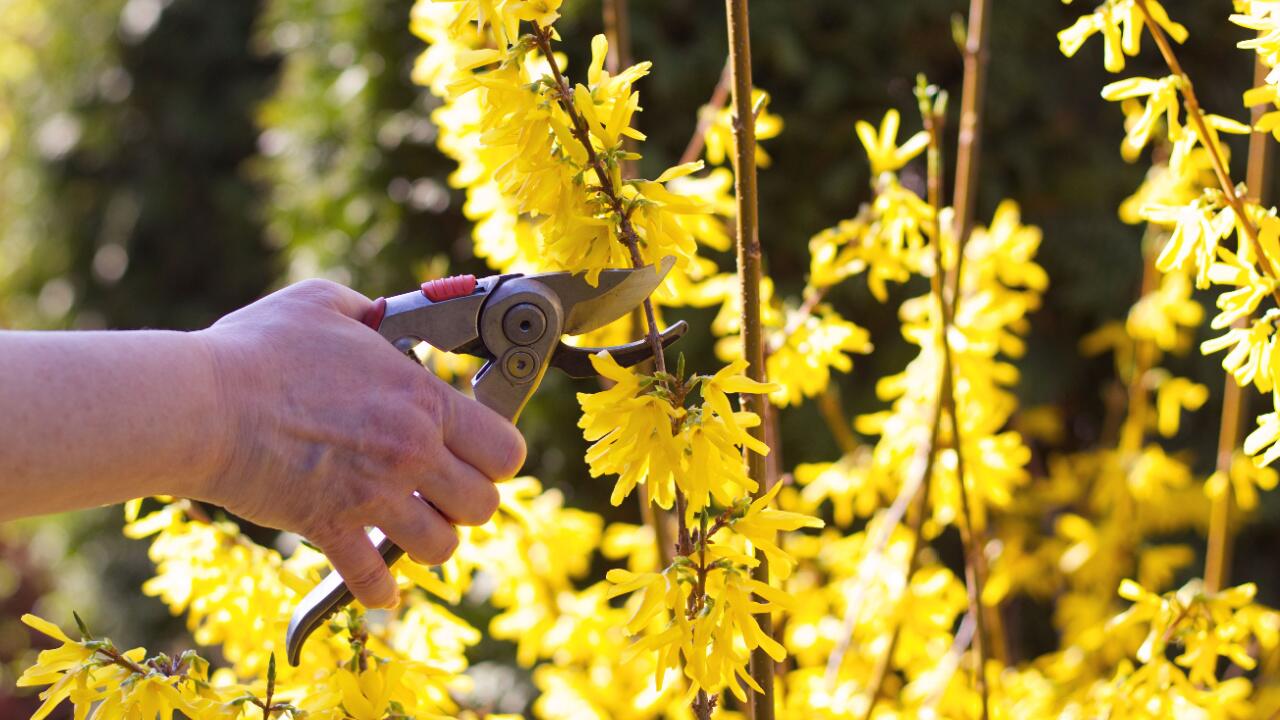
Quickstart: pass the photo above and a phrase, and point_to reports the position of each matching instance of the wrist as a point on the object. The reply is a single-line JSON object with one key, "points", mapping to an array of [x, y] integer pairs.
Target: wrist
{"points": [[221, 420]]}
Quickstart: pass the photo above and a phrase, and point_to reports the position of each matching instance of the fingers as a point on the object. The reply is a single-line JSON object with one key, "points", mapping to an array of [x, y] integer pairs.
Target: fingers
{"points": [[463, 494], [482, 438], [361, 567], [420, 530]]}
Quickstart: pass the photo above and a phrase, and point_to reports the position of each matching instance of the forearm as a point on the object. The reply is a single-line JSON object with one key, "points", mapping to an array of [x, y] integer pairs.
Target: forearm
{"points": [[92, 418]]}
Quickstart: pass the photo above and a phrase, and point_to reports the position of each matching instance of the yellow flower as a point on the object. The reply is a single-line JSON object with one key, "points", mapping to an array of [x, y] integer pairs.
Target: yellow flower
{"points": [[502, 17], [60, 667], [1243, 480], [1162, 101], [1121, 25], [369, 694], [719, 134], [761, 524], [1168, 316], [882, 148], [1172, 396], [801, 365], [632, 433]]}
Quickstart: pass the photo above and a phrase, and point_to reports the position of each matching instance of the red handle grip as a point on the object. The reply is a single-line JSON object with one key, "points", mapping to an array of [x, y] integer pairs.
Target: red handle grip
{"points": [[373, 316]]}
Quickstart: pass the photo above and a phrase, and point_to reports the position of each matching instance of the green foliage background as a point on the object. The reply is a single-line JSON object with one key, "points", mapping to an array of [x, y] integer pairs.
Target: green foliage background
{"points": [[163, 162]]}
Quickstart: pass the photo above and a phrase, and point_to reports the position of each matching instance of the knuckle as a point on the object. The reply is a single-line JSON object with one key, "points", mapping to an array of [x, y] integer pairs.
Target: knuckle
{"points": [[324, 533], [404, 453], [360, 502], [430, 398]]}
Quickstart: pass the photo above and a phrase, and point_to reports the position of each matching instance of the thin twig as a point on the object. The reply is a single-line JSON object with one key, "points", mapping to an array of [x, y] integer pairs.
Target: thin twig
{"points": [[118, 658], [1196, 114], [968, 161], [926, 457], [749, 258], [836, 419], [969, 141], [919, 509], [706, 117], [617, 28], [964, 636], [969, 535], [919, 469], [1218, 553]]}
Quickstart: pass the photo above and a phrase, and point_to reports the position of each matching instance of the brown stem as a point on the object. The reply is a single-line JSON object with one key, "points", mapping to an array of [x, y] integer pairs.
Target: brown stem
{"points": [[749, 256], [706, 116], [968, 161], [1217, 563], [833, 414], [813, 297], [919, 509], [947, 402], [118, 658], [915, 525], [969, 141], [1218, 554], [617, 28], [627, 235], [1134, 428], [1215, 152]]}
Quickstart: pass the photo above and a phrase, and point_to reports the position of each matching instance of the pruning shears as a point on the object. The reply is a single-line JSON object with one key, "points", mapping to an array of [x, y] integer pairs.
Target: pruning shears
{"points": [[515, 322]]}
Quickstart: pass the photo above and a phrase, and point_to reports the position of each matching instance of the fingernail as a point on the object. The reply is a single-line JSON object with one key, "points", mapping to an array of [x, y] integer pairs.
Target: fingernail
{"points": [[395, 602]]}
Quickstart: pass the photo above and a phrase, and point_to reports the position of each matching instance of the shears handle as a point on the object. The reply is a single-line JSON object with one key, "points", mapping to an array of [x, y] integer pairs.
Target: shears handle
{"points": [[331, 594]]}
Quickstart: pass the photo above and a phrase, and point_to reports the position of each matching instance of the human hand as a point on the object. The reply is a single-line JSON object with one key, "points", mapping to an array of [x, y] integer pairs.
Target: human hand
{"points": [[331, 429]]}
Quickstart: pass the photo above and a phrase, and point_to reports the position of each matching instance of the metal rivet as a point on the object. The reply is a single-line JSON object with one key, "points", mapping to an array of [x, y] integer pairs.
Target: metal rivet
{"points": [[519, 364], [524, 324]]}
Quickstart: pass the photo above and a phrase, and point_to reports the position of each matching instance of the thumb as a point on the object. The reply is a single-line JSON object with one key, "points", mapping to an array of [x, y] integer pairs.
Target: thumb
{"points": [[362, 568]]}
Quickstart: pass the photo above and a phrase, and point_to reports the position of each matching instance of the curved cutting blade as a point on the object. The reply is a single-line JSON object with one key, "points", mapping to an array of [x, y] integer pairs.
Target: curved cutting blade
{"points": [[617, 293]]}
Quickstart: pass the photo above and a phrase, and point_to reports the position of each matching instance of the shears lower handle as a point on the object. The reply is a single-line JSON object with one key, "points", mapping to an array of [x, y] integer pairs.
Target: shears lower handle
{"points": [[331, 594]]}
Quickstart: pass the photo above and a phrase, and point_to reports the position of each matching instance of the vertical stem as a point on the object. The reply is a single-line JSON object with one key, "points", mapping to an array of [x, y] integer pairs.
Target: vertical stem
{"points": [[947, 406], [1259, 173], [707, 115], [617, 28], [837, 422], [1218, 554], [916, 514], [744, 133], [968, 161], [969, 141]]}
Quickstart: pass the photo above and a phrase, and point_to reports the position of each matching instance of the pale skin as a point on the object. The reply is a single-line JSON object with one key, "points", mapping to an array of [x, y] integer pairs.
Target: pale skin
{"points": [[289, 412]]}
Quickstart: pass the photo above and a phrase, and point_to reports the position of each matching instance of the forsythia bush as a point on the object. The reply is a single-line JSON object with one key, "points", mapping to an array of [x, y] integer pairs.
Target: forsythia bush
{"points": [[868, 618]]}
